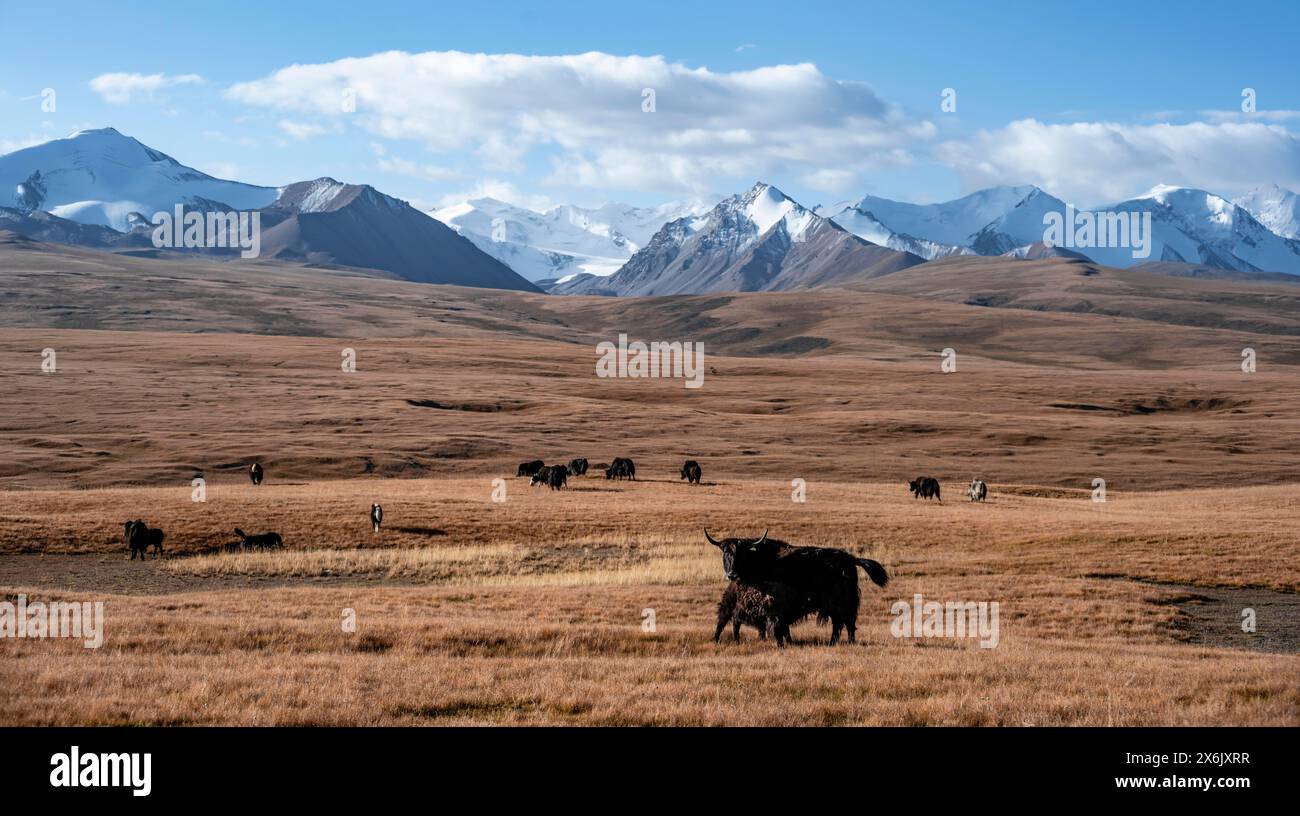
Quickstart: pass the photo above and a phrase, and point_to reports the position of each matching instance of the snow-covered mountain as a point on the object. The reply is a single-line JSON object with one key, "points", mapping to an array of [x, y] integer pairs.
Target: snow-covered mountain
{"points": [[760, 240], [865, 225], [948, 228], [101, 177], [100, 188], [1190, 226], [1274, 207], [327, 221], [564, 240], [1197, 227]]}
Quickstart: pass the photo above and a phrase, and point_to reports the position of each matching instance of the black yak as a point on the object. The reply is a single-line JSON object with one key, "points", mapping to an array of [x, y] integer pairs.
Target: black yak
{"points": [[691, 471], [826, 577], [530, 468], [140, 537], [558, 478], [978, 491], [621, 468], [541, 476], [774, 607], [578, 467], [255, 474], [924, 487], [262, 541]]}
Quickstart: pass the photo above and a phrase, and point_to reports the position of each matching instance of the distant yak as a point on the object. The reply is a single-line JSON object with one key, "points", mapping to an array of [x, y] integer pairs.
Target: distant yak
{"points": [[812, 579], [924, 487], [140, 537], [255, 474], [977, 491], [578, 467], [621, 468], [530, 468], [376, 517], [691, 471], [262, 541]]}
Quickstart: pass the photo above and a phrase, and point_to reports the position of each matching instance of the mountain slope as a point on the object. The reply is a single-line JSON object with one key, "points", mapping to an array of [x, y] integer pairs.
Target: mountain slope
{"points": [[562, 241], [1275, 208], [101, 177], [99, 188], [761, 240], [326, 221], [1197, 227]]}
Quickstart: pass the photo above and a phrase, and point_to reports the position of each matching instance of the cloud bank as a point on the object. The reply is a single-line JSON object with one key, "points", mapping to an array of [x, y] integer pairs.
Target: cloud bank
{"points": [[606, 121], [1092, 163]]}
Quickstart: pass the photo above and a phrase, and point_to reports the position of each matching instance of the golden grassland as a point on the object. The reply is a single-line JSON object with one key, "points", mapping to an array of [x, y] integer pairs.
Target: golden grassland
{"points": [[531, 611], [534, 610]]}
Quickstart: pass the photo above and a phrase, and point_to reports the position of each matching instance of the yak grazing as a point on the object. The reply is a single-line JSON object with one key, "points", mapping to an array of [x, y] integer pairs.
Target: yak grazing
{"points": [[530, 468], [621, 468], [924, 487], [553, 476], [691, 471], [825, 577], [255, 474], [978, 491], [577, 467], [262, 541], [558, 478], [140, 537]]}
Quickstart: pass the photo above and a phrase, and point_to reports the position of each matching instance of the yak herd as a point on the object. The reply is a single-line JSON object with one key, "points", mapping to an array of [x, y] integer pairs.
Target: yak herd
{"points": [[557, 476], [772, 585]]}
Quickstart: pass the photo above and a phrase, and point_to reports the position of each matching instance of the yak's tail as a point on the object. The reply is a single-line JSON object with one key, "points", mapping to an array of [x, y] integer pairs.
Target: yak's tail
{"points": [[874, 571]]}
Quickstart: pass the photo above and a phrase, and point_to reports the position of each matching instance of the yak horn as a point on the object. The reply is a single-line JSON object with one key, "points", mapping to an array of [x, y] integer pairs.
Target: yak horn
{"points": [[762, 539], [710, 538]]}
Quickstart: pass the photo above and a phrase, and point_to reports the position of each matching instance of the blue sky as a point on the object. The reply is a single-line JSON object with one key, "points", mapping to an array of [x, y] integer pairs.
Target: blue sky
{"points": [[1094, 103]]}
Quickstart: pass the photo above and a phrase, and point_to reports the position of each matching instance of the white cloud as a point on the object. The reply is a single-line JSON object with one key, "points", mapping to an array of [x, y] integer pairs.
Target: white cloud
{"points": [[427, 172], [584, 113], [10, 145], [1092, 163], [1253, 116], [302, 130], [221, 170], [829, 180], [501, 191], [121, 88]]}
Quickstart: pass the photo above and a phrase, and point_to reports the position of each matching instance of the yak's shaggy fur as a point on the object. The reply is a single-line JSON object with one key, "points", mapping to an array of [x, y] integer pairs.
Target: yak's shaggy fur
{"points": [[827, 577], [768, 608]]}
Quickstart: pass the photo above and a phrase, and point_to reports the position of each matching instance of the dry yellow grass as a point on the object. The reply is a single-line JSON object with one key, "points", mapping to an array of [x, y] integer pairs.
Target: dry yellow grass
{"points": [[532, 611]]}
